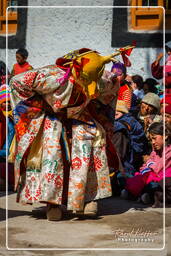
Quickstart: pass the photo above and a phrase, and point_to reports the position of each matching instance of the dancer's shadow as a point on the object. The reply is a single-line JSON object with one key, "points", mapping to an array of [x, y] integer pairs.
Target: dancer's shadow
{"points": [[116, 205], [3, 193], [12, 214], [108, 206]]}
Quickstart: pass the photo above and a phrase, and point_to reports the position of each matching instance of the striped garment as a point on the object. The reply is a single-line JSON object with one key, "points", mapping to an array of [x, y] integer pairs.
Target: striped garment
{"points": [[125, 94], [4, 93]]}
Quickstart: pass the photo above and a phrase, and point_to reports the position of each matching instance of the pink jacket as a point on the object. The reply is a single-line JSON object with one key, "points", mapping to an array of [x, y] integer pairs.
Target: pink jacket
{"points": [[152, 170], [155, 162]]}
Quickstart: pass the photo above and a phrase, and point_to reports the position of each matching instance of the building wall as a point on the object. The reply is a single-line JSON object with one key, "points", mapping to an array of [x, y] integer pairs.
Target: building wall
{"points": [[53, 32]]}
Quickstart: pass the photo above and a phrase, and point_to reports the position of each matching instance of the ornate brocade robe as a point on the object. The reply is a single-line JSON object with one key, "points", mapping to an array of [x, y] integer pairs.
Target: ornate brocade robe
{"points": [[44, 100]]}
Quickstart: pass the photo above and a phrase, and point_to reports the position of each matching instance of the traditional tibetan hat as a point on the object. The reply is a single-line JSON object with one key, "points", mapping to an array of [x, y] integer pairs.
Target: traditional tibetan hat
{"points": [[87, 67]]}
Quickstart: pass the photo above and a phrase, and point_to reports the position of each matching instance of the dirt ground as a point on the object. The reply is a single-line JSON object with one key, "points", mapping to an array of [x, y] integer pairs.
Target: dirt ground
{"points": [[122, 228]]}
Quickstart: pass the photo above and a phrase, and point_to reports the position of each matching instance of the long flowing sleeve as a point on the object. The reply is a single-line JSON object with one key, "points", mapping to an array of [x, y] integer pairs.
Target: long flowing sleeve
{"points": [[45, 82]]}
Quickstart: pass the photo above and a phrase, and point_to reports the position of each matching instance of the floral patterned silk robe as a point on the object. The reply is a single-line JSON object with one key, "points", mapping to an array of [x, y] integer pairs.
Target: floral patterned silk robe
{"points": [[40, 99]]}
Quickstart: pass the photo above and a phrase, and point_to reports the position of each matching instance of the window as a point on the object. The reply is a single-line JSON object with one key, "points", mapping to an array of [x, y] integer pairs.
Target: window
{"points": [[12, 17], [148, 18], [167, 6], [123, 33]]}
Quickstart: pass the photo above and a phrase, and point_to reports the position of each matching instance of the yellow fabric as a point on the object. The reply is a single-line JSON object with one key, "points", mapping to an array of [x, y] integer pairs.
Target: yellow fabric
{"points": [[34, 158], [100, 138], [91, 72], [12, 150]]}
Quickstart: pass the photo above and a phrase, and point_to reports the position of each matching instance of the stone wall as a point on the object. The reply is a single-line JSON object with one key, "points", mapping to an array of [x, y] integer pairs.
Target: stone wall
{"points": [[53, 31]]}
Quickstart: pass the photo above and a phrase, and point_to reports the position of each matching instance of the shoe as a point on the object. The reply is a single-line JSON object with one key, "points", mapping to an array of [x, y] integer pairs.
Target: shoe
{"points": [[90, 208], [145, 198], [54, 212], [124, 194]]}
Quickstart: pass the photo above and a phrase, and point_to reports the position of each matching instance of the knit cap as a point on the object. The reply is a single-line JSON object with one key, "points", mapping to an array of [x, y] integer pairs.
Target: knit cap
{"points": [[152, 99], [121, 106], [4, 93]]}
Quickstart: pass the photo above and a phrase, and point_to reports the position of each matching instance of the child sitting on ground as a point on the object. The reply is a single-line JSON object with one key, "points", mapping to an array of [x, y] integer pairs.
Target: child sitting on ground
{"points": [[22, 65], [146, 181]]}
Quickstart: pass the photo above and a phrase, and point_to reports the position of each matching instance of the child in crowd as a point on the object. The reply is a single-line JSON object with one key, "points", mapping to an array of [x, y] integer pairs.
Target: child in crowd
{"points": [[137, 86], [146, 181], [125, 91], [150, 86], [22, 65]]}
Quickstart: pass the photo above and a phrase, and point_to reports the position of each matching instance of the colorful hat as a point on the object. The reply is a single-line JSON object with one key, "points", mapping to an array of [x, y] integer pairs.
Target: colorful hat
{"points": [[168, 109], [4, 93], [121, 106], [119, 66], [152, 99], [87, 67]]}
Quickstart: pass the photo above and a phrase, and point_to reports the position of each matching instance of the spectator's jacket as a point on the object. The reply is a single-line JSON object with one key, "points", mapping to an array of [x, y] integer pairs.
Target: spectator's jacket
{"points": [[133, 130], [156, 162], [151, 171]]}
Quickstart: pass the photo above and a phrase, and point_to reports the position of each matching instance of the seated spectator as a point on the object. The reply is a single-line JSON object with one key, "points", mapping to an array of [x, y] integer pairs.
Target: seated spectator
{"points": [[146, 182], [125, 91], [158, 194], [137, 86], [129, 139], [22, 65], [149, 110], [150, 86]]}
